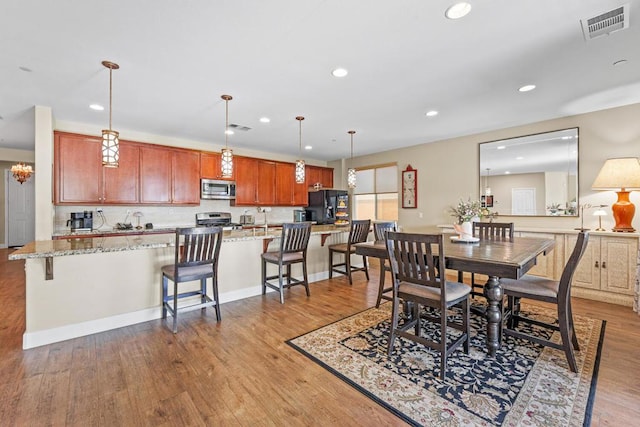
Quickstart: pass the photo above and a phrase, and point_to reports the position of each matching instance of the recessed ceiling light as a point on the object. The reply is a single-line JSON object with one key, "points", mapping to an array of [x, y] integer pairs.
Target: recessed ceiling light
{"points": [[96, 107], [26, 69], [507, 172], [458, 10], [501, 147], [431, 113], [620, 62], [519, 158], [339, 72], [308, 147], [527, 88], [228, 132], [265, 119]]}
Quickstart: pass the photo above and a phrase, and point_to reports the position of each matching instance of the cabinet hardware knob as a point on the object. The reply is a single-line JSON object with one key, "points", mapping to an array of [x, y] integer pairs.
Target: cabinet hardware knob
{"points": [[604, 264], [597, 265]]}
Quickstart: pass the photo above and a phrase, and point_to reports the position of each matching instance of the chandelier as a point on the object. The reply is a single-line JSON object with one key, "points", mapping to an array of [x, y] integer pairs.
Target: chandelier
{"points": [[21, 172], [351, 172], [110, 138], [300, 163], [227, 154]]}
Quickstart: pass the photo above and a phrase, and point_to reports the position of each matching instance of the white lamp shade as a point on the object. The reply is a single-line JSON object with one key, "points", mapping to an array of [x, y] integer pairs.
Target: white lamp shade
{"points": [[618, 173], [110, 148]]}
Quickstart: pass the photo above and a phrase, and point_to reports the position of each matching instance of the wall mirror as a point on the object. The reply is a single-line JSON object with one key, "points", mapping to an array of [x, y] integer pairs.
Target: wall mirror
{"points": [[532, 175]]}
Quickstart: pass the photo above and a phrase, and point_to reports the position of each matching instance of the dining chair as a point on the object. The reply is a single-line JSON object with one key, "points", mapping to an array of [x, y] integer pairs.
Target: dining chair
{"points": [[379, 230], [293, 250], [484, 231], [416, 282], [550, 291], [358, 232], [196, 258]]}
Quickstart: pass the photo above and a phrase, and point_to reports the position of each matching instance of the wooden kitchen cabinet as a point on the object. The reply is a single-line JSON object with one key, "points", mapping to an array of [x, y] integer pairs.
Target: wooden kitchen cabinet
{"points": [[80, 178], [155, 176], [211, 166], [607, 270], [266, 183], [285, 182], [319, 175], [246, 172], [185, 177]]}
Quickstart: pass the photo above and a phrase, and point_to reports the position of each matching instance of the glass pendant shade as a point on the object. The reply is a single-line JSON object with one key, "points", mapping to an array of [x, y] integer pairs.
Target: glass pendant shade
{"points": [[300, 178], [110, 148], [351, 178], [300, 166], [110, 138], [227, 153], [21, 172], [227, 163]]}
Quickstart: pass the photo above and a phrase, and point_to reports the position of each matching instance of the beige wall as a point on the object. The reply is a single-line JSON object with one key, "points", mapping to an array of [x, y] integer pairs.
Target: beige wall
{"points": [[448, 169]]}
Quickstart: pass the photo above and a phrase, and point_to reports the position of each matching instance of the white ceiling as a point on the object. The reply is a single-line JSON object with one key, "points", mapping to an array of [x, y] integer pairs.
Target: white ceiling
{"points": [[275, 57]]}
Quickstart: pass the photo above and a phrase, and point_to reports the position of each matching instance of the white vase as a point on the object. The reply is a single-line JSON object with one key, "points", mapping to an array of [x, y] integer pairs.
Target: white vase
{"points": [[467, 230]]}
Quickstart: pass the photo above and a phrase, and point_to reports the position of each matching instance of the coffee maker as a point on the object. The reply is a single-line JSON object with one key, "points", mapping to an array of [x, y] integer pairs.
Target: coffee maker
{"points": [[81, 221]]}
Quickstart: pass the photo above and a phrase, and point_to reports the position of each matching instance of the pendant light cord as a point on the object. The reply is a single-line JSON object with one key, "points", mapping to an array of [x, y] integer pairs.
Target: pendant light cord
{"points": [[110, 94]]}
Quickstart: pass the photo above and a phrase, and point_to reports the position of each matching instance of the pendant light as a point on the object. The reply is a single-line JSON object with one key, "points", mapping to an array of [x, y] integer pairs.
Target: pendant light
{"points": [[300, 163], [351, 172], [110, 138], [487, 189], [227, 154]]}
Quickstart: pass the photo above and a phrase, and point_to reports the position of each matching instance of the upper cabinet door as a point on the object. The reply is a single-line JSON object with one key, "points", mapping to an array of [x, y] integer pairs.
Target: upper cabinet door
{"points": [[285, 180], [211, 167], [155, 176], [186, 177], [78, 169], [246, 172], [266, 185], [122, 184]]}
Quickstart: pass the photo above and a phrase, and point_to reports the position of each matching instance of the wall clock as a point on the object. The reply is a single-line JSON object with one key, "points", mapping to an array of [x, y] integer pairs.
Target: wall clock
{"points": [[409, 188]]}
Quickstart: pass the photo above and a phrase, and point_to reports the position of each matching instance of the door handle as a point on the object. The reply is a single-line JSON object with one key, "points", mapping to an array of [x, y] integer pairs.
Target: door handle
{"points": [[597, 265]]}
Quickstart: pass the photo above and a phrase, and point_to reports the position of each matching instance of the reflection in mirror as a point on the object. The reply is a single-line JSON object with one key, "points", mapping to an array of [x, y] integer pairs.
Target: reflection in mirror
{"points": [[531, 175]]}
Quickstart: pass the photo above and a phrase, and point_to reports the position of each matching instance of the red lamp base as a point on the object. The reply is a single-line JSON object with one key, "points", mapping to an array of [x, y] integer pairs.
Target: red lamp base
{"points": [[623, 211]]}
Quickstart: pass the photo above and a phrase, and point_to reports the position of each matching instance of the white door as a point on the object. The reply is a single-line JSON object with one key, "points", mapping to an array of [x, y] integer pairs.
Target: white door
{"points": [[523, 201], [20, 211]]}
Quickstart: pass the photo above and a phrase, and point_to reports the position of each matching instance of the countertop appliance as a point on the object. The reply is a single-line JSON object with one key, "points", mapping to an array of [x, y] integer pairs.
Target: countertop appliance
{"points": [[301, 215], [216, 219], [81, 221], [328, 207], [217, 189]]}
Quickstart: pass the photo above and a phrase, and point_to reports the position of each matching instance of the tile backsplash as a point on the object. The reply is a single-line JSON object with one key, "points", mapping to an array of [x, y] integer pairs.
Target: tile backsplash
{"points": [[168, 216]]}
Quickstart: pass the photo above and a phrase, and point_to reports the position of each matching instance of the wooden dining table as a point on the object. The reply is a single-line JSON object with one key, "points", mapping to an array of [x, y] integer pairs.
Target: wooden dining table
{"points": [[496, 258]]}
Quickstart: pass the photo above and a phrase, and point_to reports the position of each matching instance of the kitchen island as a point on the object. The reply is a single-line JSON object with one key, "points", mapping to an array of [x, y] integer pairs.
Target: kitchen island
{"points": [[79, 286]]}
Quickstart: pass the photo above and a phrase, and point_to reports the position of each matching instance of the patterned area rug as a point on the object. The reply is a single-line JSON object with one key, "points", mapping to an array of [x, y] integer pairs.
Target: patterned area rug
{"points": [[524, 385]]}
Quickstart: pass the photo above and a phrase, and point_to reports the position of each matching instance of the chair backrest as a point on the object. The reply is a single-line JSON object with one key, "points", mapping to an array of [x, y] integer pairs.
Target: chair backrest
{"points": [[564, 288], [295, 237], [379, 228], [414, 258], [359, 231], [492, 230], [197, 246]]}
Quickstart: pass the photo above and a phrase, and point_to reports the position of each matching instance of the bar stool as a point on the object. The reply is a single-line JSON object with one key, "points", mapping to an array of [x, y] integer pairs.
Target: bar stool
{"points": [[293, 250], [358, 233], [196, 258], [379, 230]]}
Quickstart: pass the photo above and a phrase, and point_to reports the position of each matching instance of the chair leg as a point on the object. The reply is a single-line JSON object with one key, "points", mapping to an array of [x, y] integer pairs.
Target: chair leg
{"points": [[164, 296], [203, 293], [381, 282], [175, 307], [281, 282], [347, 266], [366, 267], [395, 313], [330, 263], [305, 277], [214, 285], [288, 274], [264, 277], [466, 324], [566, 341], [443, 343], [574, 338]]}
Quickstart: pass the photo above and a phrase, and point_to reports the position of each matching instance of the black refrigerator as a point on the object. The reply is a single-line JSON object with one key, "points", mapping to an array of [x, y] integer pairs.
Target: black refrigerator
{"points": [[328, 207]]}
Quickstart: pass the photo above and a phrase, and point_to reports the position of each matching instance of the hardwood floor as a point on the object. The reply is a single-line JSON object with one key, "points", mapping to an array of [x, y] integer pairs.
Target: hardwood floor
{"points": [[238, 371]]}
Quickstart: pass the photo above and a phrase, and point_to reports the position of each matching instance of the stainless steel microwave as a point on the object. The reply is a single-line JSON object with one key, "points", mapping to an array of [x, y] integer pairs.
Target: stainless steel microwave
{"points": [[214, 189]]}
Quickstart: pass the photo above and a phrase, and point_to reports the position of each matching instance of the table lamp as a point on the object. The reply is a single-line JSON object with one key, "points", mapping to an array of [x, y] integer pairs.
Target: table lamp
{"points": [[600, 213], [620, 175]]}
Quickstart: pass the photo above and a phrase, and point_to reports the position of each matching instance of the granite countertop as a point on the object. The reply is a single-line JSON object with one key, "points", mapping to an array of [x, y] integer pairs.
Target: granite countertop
{"points": [[77, 245]]}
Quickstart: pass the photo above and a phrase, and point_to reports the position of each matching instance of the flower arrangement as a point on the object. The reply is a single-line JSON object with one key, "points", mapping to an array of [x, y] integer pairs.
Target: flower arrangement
{"points": [[466, 211]]}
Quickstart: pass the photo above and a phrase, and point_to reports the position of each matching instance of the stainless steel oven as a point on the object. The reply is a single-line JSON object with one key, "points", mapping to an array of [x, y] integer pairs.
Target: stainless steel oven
{"points": [[217, 189]]}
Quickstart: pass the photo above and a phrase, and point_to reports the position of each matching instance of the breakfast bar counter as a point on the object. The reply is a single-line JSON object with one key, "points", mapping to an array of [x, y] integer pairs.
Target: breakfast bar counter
{"points": [[78, 286]]}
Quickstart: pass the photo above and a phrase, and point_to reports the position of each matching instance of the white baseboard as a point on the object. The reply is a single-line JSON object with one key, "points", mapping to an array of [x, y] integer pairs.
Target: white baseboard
{"points": [[63, 333]]}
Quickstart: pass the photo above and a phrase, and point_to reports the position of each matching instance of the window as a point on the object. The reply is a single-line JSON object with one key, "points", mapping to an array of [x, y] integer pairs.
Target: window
{"points": [[376, 194]]}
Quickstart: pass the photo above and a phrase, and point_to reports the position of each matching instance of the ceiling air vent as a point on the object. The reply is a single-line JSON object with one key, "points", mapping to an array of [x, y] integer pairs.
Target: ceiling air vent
{"points": [[239, 127], [606, 23]]}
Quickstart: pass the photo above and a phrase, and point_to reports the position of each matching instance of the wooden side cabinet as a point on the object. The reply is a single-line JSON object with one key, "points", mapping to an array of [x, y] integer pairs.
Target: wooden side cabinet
{"points": [[607, 270]]}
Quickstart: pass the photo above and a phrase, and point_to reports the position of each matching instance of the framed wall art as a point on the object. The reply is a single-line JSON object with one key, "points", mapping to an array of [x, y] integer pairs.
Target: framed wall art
{"points": [[409, 188]]}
